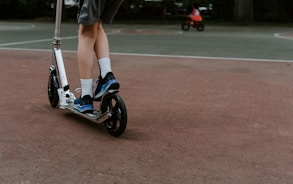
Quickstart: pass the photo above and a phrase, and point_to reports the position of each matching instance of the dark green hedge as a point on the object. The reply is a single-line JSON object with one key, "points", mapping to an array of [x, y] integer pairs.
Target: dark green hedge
{"points": [[23, 9]]}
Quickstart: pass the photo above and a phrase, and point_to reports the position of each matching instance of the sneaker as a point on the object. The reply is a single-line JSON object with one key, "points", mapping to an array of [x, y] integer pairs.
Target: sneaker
{"points": [[109, 82], [84, 104]]}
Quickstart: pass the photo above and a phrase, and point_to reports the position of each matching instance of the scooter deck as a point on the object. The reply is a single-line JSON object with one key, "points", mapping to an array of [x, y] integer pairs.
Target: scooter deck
{"points": [[96, 115]]}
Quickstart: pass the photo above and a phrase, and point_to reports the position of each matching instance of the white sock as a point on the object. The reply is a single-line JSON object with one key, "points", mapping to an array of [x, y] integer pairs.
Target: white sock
{"points": [[105, 66], [86, 87]]}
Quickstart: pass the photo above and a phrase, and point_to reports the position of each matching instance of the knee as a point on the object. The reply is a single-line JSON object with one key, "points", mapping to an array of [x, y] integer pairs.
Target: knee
{"points": [[87, 31]]}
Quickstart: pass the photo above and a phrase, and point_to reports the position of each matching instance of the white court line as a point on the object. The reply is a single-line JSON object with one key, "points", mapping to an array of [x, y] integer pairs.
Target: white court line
{"points": [[160, 55], [279, 35], [35, 41], [203, 57]]}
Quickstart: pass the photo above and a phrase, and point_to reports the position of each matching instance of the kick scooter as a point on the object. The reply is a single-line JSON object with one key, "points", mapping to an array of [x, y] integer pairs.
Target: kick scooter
{"points": [[112, 110]]}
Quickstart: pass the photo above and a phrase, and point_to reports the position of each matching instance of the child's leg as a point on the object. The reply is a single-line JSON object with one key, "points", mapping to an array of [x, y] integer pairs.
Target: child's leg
{"points": [[107, 80], [102, 50], [87, 38], [101, 42], [86, 42]]}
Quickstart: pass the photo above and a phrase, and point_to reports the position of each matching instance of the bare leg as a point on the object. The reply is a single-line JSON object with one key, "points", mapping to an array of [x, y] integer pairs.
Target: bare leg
{"points": [[101, 44], [102, 50], [87, 38]]}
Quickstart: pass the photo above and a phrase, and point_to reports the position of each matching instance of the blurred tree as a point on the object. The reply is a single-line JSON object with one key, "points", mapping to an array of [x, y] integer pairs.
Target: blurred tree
{"points": [[22, 8], [223, 9], [243, 10], [273, 10], [238, 10]]}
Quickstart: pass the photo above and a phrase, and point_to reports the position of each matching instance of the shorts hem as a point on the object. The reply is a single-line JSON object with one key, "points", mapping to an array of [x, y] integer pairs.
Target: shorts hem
{"points": [[83, 22], [87, 23]]}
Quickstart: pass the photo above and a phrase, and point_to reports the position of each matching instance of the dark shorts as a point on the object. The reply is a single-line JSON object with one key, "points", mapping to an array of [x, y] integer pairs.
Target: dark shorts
{"points": [[91, 11]]}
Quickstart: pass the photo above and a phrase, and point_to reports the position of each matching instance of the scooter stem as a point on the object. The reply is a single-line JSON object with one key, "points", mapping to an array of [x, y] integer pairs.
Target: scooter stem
{"points": [[57, 38], [64, 93]]}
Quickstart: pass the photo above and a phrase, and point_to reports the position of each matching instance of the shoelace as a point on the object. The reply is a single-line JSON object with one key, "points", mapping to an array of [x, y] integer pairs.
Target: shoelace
{"points": [[78, 90]]}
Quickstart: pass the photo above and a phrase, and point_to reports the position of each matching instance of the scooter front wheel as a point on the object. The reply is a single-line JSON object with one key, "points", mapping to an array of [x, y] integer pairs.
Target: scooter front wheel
{"points": [[117, 123], [53, 86], [185, 26]]}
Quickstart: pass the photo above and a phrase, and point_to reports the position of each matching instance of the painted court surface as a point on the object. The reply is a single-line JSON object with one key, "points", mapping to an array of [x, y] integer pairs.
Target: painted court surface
{"points": [[190, 120]]}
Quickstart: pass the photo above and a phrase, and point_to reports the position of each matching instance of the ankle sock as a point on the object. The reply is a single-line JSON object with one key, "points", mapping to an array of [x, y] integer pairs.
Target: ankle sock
{"points": [[105, 66], [86, 87]]}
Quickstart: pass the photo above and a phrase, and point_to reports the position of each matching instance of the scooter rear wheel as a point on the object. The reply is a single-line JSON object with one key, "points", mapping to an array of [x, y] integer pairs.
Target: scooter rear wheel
{"points": [[53, 86], [117, 123], [185, 26], [200, 27]]}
